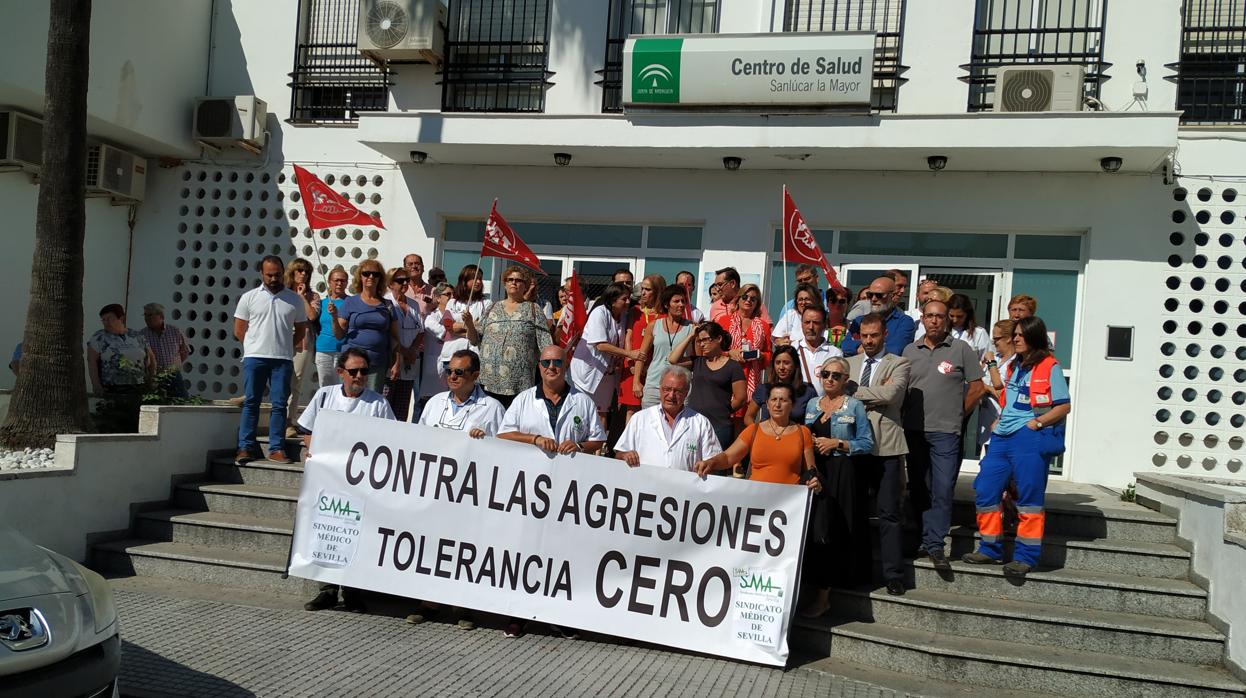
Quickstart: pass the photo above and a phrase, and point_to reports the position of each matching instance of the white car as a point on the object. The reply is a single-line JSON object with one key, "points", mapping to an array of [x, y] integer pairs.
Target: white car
{"points": [[59, 634]]}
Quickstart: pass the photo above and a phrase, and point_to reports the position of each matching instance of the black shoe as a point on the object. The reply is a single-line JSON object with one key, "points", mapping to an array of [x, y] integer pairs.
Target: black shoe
{"points": [[939, 560], [565, 633], [513, 629], [977, 558], [1016, 569], [895, 587], [325, 599], [352, 600]]}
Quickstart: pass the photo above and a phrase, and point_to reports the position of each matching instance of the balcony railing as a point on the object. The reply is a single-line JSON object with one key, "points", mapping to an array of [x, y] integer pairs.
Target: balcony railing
{"points": [[884, 17], [331, 81], [497, 56], [1012, 32], [1211, 75]]}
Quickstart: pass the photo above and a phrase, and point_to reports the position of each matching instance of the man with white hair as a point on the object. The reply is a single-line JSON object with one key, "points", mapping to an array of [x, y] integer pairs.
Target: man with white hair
{"points": [[169, 346], [668, 434]]}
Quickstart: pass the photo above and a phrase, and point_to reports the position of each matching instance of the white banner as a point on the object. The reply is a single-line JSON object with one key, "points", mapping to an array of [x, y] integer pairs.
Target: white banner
{"points": [[647, 553]]}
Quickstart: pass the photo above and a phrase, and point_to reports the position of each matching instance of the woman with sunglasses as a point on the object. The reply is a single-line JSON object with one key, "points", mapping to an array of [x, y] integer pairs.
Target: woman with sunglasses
{"points": [[841, 429], [436, 327], [641, 316], [366, 321], [779, 448], [410, 340], [996, 364], [788, 329], [327, 344], [784, 369], [718, 385], [469, 298], [661, 336], [837, 315], [511, 335], [594, 365], [750, 339]]}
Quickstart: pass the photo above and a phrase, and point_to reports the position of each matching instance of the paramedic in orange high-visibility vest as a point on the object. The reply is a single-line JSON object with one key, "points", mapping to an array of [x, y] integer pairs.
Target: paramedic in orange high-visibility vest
{"points": [[1028, 434]]}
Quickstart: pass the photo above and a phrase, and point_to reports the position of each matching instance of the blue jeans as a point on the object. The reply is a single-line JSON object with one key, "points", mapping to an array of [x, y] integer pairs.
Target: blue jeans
{"points": [[258, 374], [935, 457]]}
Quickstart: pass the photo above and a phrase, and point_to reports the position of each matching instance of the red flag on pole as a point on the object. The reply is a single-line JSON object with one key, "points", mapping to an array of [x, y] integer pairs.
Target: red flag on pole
{"points": [[326, 208], [799, 244], [501, 241], [574, 315]]}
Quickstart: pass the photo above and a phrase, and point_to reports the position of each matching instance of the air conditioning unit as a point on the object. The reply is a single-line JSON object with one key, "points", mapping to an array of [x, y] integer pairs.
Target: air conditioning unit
{"points": [[21, 142], [1040, 88], [221, 121], [115, 173], [402, 30]]}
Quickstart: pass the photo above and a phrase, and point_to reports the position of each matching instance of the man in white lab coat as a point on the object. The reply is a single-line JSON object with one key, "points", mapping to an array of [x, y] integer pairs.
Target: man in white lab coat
{"points": [[668, 434], [554, 416]]}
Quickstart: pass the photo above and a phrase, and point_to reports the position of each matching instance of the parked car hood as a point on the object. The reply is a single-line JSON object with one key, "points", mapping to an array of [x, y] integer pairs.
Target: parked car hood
{"points": [[28, 570]]}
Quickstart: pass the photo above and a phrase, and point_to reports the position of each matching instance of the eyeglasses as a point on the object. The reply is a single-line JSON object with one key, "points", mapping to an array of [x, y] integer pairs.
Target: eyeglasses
{"points": [[551, 363], [876, 294], [833, 375], [458, 371], [399, 281], [1000, 339], [370, 274], [516, 280], [356, 372], [750, 299]]}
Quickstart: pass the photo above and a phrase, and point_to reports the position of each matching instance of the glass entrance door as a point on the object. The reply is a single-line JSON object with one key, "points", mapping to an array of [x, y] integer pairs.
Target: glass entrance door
{"points": [[594, 274]]}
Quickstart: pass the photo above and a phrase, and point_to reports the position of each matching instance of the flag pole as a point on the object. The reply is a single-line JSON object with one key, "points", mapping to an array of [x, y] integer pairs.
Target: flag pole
{"points": [[783, 246]]}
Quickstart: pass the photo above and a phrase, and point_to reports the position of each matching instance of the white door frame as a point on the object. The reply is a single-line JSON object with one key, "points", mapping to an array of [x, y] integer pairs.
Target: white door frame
{"points": [[910, 269]]}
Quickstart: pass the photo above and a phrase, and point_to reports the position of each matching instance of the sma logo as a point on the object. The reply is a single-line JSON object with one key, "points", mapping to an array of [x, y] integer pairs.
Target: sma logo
{"points": [[337, 507], [762, 584]]}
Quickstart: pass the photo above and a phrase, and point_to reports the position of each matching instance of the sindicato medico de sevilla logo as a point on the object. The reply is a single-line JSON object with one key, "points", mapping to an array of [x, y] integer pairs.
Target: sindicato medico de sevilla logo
{"points": [[655, 70]]}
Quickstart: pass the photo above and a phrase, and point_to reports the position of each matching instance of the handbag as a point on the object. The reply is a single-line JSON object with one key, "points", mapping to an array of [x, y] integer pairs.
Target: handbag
{"points": [[822, 515]]}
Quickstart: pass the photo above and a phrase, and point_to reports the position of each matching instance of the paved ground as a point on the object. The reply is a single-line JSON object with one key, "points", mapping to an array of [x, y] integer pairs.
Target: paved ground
{"points": [[181, 641]]}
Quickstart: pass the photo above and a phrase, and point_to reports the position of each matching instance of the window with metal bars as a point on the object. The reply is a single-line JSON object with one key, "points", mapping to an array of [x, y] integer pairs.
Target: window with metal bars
{"points": [[1211, 75], [883, 17], [628, 17], [1016, 32], [332, 83], [497, 56]]}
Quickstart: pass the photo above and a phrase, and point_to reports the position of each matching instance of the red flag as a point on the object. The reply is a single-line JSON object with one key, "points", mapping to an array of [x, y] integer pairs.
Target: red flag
{"points": [[326, 208], [501, 241], [799, 245], [574, 314]]}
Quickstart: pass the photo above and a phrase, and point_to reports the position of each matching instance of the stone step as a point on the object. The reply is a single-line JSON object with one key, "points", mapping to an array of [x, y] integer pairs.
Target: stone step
{"points": [[1103, 591], [998, 664], [200, 563], [1081, 516], [899, 684], [1138, 558], [262, 501], [216, 529], [1127, 634], [258, 473]]}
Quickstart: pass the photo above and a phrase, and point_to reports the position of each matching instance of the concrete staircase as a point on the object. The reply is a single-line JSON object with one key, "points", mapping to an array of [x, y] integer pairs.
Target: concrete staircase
{"points": [[1111, 612]]}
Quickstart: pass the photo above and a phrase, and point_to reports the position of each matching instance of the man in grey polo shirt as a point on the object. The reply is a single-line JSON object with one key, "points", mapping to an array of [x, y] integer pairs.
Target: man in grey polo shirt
{"points": [[945, 384]]}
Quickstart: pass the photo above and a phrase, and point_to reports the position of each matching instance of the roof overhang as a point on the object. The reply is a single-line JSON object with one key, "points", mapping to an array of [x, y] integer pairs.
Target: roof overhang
{"points": [[984, 142]]}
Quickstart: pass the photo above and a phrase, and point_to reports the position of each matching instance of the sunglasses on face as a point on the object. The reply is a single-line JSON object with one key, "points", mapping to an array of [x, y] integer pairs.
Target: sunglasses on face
{"points": [[876, 294], [459, 372], [551, 363], [833, 375], [749, 299], [356, 372], [370, 274], [399, 281], [1000, 339]]}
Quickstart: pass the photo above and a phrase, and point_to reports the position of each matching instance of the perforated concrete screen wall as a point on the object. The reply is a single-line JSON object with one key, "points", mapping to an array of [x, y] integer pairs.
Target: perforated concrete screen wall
{"points": [[228, 220], [1201, 390]]}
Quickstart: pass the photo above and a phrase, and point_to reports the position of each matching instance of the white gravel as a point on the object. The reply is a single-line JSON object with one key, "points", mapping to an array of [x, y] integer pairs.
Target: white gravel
{"points": [[26, 460]]}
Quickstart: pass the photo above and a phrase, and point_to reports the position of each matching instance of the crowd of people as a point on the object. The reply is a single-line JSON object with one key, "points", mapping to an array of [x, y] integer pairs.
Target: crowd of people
{"points": [[854, 397]]}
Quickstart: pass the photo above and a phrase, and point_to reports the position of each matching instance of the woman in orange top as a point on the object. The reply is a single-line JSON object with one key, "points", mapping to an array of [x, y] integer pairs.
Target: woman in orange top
{"points": [[780, 450]]}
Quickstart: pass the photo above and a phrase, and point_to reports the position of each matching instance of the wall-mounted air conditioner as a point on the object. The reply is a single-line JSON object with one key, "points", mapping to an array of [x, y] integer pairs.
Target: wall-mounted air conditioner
{"points": [[115, 173], [1040, 88], [402, 30], [21, 142], [222, 121]]}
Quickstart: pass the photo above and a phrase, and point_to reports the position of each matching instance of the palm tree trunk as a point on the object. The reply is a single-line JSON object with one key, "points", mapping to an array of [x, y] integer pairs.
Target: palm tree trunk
{"points": [[50, 395]]}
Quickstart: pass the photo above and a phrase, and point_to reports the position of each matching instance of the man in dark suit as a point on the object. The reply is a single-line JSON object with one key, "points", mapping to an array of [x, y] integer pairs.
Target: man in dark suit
{"points": [[882, 380]]}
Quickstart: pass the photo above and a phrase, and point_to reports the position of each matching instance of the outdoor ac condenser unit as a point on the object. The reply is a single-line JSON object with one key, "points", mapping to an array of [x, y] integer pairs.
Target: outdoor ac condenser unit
{"points": [[237, 120], [21, 142], [402, 30], [1040, 88], [115, 173]]}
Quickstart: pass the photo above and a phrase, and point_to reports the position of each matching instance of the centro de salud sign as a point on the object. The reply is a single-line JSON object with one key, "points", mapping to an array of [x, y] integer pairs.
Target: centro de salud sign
{"points": [[748, 70]]}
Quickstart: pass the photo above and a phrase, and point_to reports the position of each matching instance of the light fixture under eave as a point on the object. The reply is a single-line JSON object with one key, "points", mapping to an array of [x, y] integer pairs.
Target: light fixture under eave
{"points": [[562, 159], [418, 156], [732, 163], [936, 162], [1111, 164]]}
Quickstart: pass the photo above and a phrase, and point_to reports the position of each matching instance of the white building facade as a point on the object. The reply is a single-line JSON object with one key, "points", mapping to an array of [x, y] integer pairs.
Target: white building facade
{"points": [[1154, 253]]}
